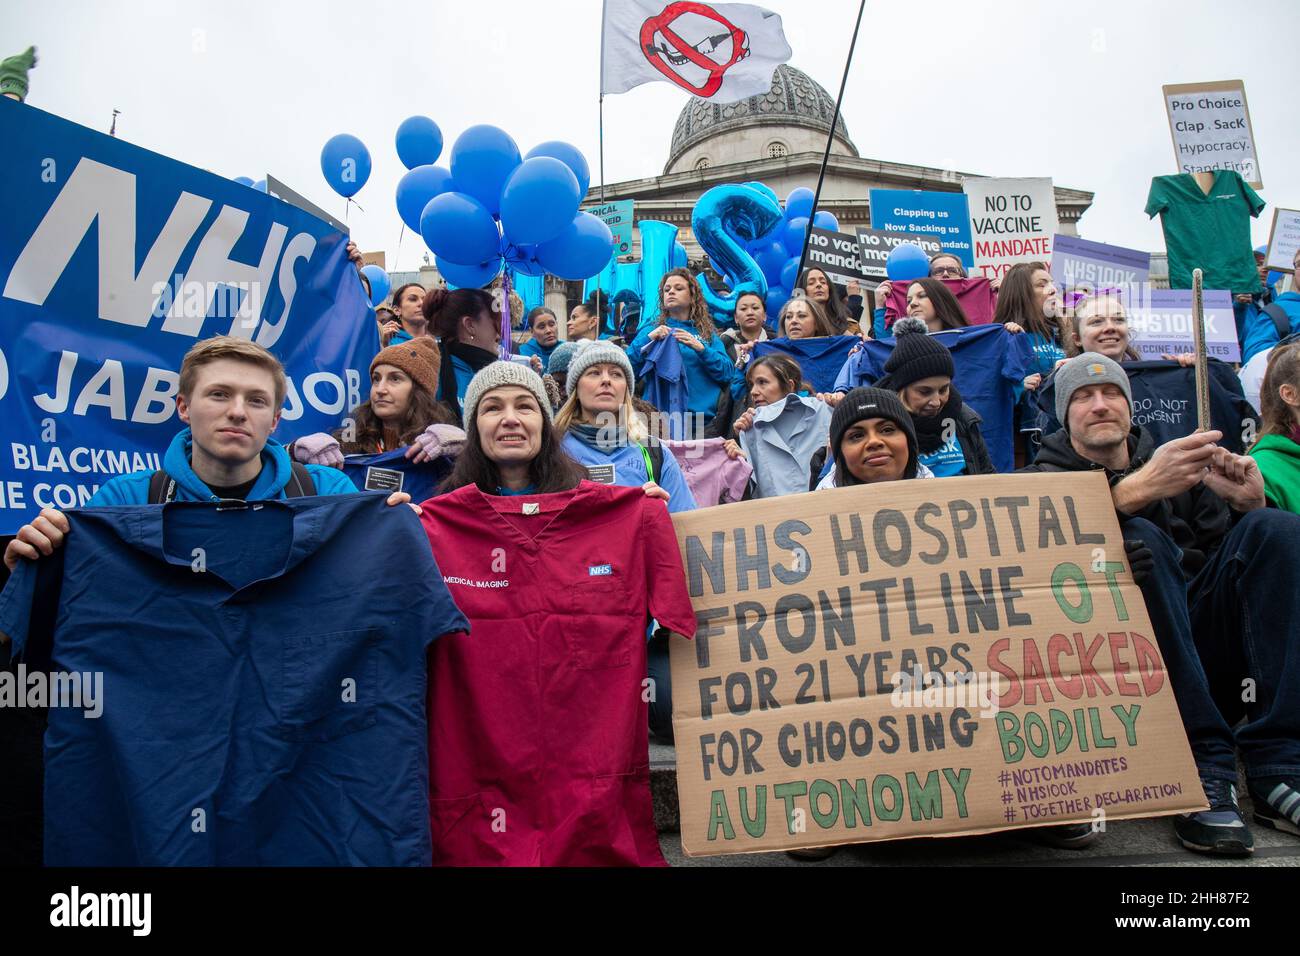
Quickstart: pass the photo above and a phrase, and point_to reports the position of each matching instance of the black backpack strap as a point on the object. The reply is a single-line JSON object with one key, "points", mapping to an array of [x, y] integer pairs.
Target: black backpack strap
{"points": [[1279, 317], [301, 485], [162, 488], [652, 453]]}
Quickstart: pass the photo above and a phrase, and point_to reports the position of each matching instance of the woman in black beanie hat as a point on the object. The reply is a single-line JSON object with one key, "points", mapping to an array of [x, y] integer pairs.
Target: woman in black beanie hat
{"points": [[872, 439], [920, 371]]}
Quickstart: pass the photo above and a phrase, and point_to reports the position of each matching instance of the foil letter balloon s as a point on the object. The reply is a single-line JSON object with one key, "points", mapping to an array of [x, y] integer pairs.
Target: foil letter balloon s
{"points": [[725, 220]]}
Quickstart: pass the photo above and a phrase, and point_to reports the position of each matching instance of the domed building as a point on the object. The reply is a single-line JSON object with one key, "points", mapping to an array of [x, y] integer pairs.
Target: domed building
{"points": [[779, 139], [794, 116]]}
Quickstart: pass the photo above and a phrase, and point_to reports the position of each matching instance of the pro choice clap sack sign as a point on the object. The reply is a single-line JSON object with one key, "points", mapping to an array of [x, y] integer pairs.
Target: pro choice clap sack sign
{"points": [[920, 658]]}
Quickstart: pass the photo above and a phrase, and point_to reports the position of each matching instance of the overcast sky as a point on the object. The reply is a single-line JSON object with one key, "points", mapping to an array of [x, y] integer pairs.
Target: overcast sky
{"points": [[1008, 88]]}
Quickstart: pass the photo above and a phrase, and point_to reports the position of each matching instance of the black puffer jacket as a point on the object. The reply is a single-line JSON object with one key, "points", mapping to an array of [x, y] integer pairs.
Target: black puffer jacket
{"points": [[1198, 520]]}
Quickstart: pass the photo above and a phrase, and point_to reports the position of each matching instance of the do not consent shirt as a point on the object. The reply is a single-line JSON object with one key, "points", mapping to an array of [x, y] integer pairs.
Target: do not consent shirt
{"points": [[263, 690]]}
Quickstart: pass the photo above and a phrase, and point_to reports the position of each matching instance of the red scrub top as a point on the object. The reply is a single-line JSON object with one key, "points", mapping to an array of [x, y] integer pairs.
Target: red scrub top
{"points": [[538, 746]]}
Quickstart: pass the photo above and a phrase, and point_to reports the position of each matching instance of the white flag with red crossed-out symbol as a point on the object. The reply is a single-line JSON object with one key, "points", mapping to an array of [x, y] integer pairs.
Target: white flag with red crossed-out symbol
{"points": [[719, 51]]}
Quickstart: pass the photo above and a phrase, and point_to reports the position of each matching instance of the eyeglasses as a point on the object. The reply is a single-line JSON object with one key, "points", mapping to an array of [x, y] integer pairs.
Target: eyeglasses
{"points": [[951, 272]]}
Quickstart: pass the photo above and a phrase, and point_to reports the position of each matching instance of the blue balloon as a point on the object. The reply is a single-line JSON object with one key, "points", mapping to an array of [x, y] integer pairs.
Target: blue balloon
{"points": [[260, 185], [627, 282], [419, 142], [762, 241], [796, 232], [539, 200], [766, 190], [602, 280], [799, 203], [790, 273], [724, 220], [380, 285], [907, 261], [657, 241], [416, 188], [825, 220], [777, 297], [243, 181], [458, 228], [482, 159], [580, 251], [680, 259], [771, 259], [345, 164], [523, 260], [570, 156], [468, 277]]}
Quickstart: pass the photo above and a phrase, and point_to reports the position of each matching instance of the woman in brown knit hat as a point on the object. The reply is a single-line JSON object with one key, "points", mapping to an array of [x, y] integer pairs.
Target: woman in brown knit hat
{"points": [[401, 411]]}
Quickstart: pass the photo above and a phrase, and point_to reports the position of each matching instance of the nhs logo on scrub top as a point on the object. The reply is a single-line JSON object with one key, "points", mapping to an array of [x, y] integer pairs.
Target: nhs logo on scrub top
{"points": [[599, 570]]}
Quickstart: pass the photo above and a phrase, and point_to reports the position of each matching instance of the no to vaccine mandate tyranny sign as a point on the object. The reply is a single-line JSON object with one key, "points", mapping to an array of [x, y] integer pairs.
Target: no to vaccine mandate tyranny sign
{"points": [[1012, 221], [920, 658], [114, 261]]}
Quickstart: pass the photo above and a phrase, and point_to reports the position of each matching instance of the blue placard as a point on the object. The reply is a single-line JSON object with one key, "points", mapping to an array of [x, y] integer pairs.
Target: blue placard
{"points": [[943, 215], [114, 261]]}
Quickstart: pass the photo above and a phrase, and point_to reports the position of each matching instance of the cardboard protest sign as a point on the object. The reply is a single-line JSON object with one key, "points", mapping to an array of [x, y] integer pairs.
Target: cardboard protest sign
{"points": [[1160, 321], [1210, 124], [874, 246], [834, 253], [114, 261], [1083, 266], [1283, 240], [946, 216], [918, 658], [619, 216], [1012, 220]]}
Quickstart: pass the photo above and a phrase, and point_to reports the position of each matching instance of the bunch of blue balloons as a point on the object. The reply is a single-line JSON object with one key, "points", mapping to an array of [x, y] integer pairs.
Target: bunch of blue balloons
{"points": [[494, 207], [777, 253]]}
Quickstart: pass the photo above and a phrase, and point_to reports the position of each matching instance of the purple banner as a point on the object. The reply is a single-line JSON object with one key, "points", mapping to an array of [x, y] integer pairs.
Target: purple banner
{"points": [[1078, 264], [1161, 321]]}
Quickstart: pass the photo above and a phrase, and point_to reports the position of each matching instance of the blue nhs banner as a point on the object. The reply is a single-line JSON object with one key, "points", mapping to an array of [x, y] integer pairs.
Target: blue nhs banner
{"points": [[114, 262]]}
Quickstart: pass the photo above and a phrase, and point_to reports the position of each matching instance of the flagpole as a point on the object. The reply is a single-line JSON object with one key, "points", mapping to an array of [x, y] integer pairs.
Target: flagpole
{"points": [[601, 101], [821, 175]]}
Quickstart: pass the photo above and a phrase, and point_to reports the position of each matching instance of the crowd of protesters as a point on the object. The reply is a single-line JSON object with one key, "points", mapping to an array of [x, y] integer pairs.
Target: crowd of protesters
{"points": [[793, 396]]}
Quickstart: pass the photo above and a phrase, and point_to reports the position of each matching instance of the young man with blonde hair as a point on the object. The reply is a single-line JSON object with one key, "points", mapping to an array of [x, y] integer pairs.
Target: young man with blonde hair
{"points": [[230, 396]]}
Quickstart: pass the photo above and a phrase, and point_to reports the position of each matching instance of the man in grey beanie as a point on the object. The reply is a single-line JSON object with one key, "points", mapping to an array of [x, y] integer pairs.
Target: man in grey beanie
{"points": [[1090, 368], [1210, 560]]}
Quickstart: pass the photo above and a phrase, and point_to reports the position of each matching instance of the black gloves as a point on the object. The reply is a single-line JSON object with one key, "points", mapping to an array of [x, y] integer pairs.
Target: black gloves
{"points": [[1140, 559]]}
